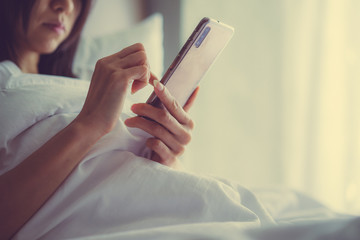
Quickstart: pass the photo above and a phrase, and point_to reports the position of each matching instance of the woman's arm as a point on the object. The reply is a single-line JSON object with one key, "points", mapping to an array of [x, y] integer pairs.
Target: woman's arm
{"points": [[24, 189]]}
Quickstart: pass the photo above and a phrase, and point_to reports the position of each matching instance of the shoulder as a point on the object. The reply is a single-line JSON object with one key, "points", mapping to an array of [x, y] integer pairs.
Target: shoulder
{"points": [[8, 69]]}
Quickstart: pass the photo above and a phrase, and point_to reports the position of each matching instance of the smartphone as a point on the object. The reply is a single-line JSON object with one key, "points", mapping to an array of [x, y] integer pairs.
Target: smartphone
{"points": [[195, 58]]}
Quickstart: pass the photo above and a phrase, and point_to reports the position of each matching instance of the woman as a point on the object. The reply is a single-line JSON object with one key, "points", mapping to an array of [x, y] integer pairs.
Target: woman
{"points": [[43, 40]]}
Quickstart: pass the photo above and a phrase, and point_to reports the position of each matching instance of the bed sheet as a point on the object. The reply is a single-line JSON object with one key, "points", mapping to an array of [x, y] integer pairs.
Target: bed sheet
{"points": [[115, 193]]}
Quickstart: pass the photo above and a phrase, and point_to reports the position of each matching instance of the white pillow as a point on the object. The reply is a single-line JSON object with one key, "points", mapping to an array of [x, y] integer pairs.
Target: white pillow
{"points": [[148, 32]]}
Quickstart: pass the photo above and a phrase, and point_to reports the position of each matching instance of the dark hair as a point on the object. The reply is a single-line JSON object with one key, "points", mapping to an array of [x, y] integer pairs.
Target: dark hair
{"points": [[57, 63]]}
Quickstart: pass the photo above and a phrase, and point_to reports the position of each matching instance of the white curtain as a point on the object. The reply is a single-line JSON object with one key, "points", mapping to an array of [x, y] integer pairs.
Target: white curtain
{"points": [[281, 106]]}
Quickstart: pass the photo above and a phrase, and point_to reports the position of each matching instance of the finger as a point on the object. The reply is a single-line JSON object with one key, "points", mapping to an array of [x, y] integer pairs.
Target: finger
{"points": [[191, 99], [173, 163], [164, 154], [130, 75], [139, 75], [157, 131], [134, 59], [128, 57], [152, 78], [162, 116], [155, 157], [171, 103], [137, 85], [131, 49]]}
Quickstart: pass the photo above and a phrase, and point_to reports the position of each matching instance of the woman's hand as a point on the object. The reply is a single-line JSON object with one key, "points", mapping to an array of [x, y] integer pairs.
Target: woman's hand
{"points": [[111, 79], [171, 127]]}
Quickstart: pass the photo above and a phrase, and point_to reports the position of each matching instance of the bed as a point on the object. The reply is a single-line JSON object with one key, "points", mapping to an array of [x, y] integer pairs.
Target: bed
{"points": [[116, 193]]}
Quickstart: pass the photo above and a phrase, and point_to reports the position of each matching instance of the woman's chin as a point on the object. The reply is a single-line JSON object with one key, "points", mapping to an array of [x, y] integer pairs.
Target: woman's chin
{"points": [[48, 47], [47, 52]]}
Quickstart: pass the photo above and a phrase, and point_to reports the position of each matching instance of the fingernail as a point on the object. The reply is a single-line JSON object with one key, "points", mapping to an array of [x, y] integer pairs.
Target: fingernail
{"points": [[158, 85]]}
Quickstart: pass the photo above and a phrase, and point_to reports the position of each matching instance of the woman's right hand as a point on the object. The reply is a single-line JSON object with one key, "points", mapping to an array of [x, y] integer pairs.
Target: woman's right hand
{"points": [[110, 81]]}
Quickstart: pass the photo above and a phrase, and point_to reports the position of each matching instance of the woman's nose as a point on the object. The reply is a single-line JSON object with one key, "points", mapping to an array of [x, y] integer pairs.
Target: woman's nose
{"points": [[66, 6]]}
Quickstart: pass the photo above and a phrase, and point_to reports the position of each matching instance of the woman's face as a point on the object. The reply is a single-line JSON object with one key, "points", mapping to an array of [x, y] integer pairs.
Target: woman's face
{"points": [[50, 23]]}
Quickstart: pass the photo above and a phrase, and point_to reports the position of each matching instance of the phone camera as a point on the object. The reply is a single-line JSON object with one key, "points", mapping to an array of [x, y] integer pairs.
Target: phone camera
{"points": [[202, 37]]}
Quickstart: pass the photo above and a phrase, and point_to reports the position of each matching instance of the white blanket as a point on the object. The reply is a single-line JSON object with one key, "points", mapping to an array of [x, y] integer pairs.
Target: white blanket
{"points": [[114, 193]]}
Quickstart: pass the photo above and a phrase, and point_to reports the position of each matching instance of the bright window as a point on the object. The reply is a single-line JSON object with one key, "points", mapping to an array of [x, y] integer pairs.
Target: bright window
{"points": [[281, 104]]}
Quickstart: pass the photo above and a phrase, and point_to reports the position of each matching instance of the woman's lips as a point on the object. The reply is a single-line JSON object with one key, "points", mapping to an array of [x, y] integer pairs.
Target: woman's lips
{"points": [[59, 28]]}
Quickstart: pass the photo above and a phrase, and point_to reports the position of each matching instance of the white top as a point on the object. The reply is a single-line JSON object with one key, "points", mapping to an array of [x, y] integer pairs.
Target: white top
{"points": [[8, 69]]}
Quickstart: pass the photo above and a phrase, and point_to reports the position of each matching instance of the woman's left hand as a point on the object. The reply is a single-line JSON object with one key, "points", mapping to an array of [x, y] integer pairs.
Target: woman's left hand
{"points": [[171, 127]]}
